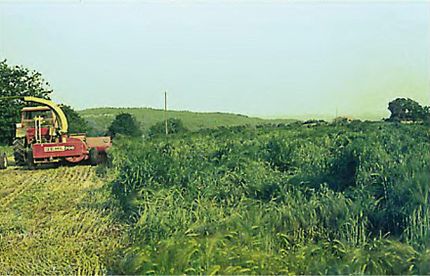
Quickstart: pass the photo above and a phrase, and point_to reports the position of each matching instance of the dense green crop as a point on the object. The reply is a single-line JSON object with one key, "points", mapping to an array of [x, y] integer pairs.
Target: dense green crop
{"points": [[345, 198]]}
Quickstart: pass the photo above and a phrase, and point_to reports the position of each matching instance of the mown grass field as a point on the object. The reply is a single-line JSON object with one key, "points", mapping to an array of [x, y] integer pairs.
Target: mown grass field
{"points": [[341, 198], [55, 221], [99, 119]]}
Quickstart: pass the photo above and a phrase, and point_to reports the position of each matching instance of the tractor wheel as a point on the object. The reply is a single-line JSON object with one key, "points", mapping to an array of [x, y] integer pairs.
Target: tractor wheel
{"points": [[19, 152], [94, 157], [3, 161], [30, 160]]}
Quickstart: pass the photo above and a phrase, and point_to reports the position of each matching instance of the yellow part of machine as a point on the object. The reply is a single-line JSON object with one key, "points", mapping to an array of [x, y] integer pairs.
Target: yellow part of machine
{"points": [[63, 125]]}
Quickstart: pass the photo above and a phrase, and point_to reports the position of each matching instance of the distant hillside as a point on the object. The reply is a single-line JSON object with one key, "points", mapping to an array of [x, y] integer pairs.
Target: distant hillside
{"points": [[100, 118]]}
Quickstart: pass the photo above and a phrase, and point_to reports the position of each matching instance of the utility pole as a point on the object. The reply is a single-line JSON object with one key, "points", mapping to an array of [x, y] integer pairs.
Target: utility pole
{"points": [[165, 112]]}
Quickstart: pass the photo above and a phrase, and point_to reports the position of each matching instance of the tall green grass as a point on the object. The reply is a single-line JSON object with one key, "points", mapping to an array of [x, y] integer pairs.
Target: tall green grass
{"points": [[331, 199], [7, 150]]}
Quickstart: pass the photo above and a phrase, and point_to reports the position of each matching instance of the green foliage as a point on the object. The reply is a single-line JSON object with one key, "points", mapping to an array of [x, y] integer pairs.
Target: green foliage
{"points": [[17, 81], [407, 110], [322, 199], [174, 126], [125, 124], [7, 150], [76, 123]]}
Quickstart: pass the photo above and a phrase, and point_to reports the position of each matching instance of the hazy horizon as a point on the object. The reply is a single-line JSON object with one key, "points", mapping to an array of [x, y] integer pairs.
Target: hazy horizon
{"points": [[264, 59], [291, 116]]}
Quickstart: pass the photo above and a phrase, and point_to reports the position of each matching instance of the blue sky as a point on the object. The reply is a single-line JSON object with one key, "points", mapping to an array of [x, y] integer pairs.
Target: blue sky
{"points": [[265, 58]]}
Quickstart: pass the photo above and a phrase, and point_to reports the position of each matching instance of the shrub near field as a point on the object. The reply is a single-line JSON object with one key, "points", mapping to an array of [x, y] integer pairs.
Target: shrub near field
{"points": [[304, 200]]}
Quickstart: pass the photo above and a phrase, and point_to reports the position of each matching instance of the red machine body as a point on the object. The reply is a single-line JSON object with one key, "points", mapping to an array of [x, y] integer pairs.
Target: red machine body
{"points": [[73, 149], [41, 137]]}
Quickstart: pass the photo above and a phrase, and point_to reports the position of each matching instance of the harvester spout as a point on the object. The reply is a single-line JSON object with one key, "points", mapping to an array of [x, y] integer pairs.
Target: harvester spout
{"points": [[62, 120]]}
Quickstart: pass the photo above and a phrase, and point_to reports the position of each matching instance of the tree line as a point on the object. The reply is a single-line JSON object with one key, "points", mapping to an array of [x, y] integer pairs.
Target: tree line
{"points": [[17, 80]]}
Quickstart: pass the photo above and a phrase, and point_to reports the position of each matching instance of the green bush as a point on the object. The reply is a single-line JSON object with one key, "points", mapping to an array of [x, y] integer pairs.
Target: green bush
{"points": [[125, 124], [174, 126]]}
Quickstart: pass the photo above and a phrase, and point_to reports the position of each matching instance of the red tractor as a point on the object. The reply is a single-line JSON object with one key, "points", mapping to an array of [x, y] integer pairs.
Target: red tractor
{"points": [[42, 137]]}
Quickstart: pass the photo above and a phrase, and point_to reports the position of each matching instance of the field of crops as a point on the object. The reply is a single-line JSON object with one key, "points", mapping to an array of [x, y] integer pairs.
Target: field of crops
{"points": [[297, 199], [341, 198]]}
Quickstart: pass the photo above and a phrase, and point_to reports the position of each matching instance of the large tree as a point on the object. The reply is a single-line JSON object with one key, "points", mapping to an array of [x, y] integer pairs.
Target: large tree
{"points": [[77, 124], [125, 124], [17, 81], [407, 110]]}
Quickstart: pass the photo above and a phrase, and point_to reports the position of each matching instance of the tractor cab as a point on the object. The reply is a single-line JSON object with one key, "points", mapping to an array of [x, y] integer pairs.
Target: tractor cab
{"points": [[28, 114], [37, 124]]}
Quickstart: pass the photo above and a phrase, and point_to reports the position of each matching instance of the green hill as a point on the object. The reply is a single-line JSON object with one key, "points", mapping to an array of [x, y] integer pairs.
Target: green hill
{"points": [[100, 118]]}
